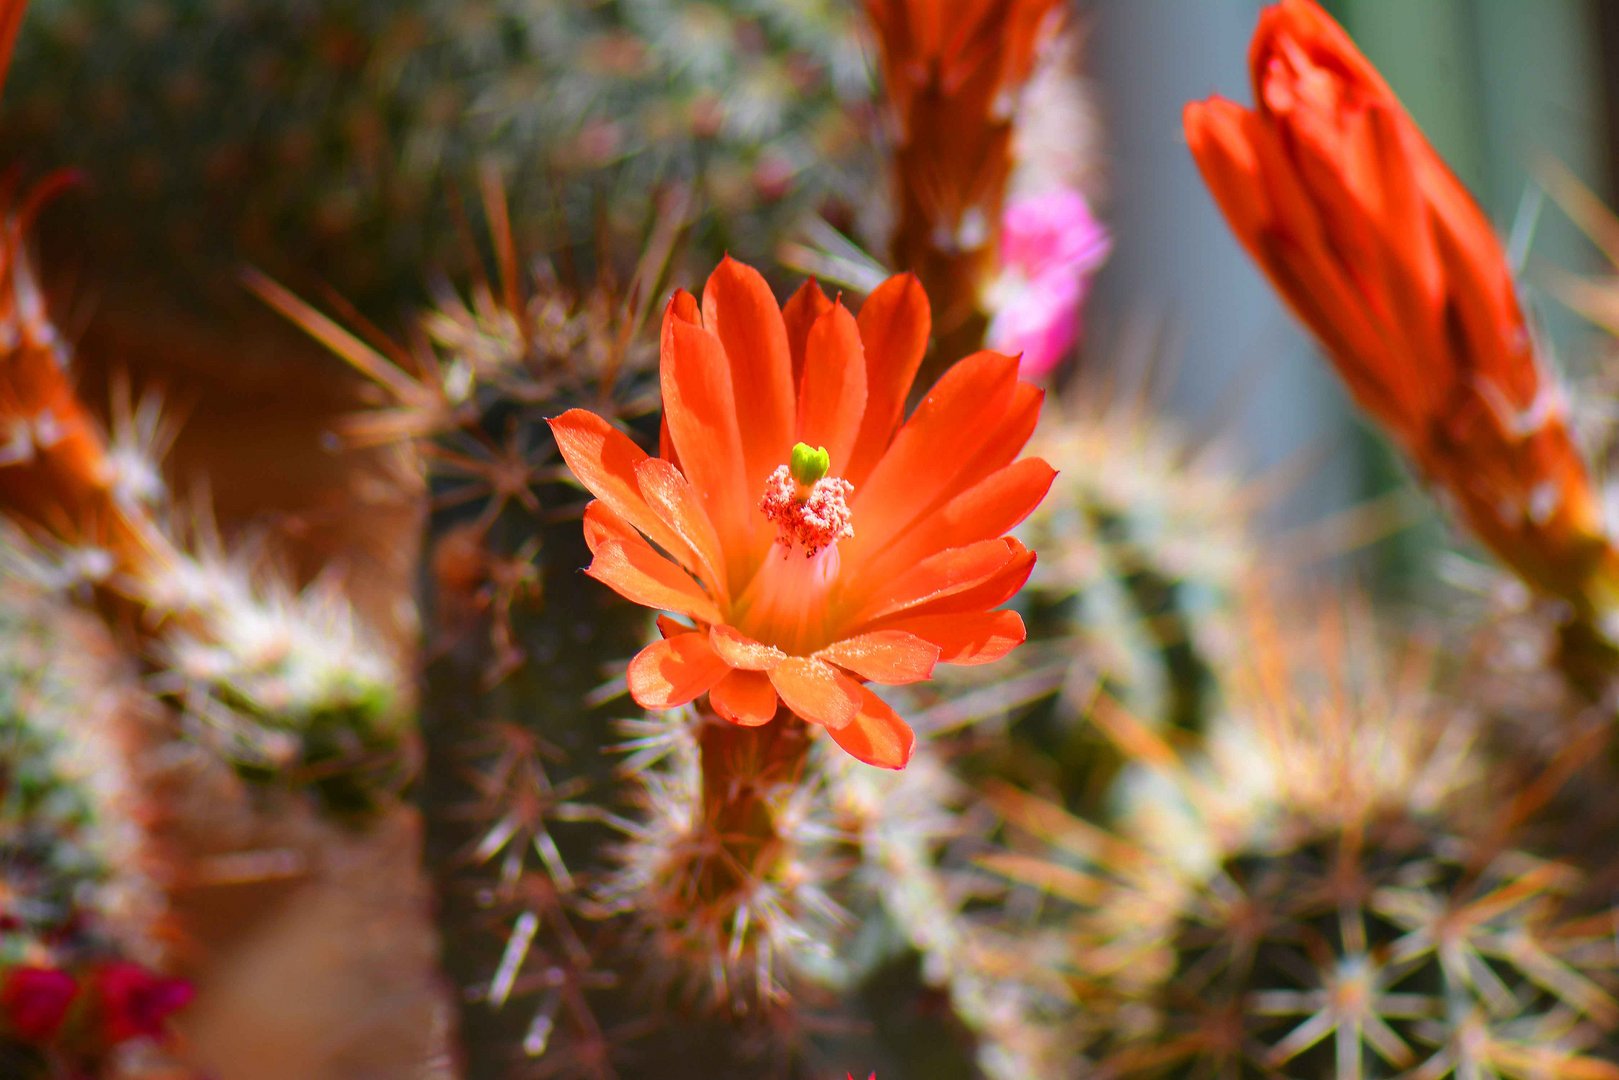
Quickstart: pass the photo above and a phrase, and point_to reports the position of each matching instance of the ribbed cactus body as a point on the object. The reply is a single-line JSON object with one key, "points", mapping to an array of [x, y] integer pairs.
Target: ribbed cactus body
{"points": [[1144, 545], [1371, 954], [320, 140], [1316, 893], [54, 859], [77, 909]]}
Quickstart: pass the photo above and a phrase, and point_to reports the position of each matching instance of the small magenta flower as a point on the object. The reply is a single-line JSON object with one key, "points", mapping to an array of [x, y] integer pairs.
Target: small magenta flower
{"points": [[1051, 245], [34, 1002], [134, 1003]]}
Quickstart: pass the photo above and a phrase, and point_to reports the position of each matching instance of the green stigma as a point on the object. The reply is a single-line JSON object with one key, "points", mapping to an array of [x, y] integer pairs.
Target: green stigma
{"points": [[809, 463]]}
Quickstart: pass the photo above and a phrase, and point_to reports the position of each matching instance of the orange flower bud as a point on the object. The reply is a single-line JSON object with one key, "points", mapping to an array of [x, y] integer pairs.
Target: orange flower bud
{"points": [[1378, 248], [952, 73]]}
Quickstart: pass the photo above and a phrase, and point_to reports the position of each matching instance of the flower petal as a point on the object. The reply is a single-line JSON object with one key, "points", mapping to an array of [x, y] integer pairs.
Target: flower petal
{"points": [[799, 313], [894, 657], [604, 460], [741, 651], [674, 671], [678, 506], [832, 395], [1006, 437], [630, 567], [991, 592], [701, 411], [989, 509], [939, 577], [967, 637], [740, 309], [876, 735], [744, 697], [669, 628], [894, 322], [1225, 156], [683, 306], [603, 524], [816, 691], [920, 469]]}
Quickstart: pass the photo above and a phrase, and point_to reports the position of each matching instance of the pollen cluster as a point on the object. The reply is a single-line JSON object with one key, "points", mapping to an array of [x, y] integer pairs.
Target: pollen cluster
{"points": [[813, 517]]}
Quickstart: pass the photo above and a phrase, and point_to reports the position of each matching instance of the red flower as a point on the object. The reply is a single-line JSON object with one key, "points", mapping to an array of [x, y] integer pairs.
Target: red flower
{"points": [[35, 1001], [814, 541], [1380, 250], [134, 1003]]}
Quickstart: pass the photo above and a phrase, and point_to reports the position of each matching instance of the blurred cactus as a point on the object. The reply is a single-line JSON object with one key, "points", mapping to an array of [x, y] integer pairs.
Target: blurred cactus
{"points": [[1315, 895], [518, 644], [76, 904], [1145, 543], [313, 137], [283, 680]]}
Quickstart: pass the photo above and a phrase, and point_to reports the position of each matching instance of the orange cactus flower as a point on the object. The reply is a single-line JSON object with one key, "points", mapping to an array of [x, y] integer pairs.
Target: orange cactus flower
{"points": [[952, 73], [1378, 248], [814, 541]]}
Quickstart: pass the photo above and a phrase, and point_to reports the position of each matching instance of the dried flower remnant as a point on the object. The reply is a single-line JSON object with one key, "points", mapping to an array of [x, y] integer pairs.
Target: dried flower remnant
{"points": [[900, 564], [1379, 249]]}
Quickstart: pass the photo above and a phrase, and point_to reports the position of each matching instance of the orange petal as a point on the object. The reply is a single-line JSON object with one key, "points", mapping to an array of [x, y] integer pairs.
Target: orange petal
{"points": [[683, 306], [669, 628], [602, 524], [894, 657], [1230, 168], [832, 395], [894, 325], [799, 313], [636, 572], [939, 577], [701, 411], [876, 735], [968, 637], [678, 506], [816, 691], [1007, 436], [604, 460], [939, 439], [991, 592], [744, 697], [739, 308], [741, 651], [674, 671], [987, 510]]}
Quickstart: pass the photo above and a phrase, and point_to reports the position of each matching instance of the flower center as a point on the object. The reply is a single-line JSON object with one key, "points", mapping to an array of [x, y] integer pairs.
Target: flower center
{"points": [[785, 604], [809, 508]]}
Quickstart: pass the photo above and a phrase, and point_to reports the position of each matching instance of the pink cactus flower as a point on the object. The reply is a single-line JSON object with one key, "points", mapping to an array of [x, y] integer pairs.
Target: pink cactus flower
{"points": [[34, 1002], [135, 1003], [1051, 245]]}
